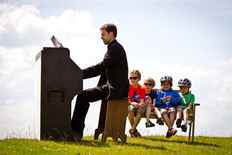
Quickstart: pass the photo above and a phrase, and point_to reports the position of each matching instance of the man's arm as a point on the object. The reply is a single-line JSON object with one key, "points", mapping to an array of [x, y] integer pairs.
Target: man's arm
{"points": [[93, 71]]}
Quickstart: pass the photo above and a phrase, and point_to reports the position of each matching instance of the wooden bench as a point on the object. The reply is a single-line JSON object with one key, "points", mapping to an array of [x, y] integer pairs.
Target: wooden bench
{"points": [[191, 118], [112, 120]]}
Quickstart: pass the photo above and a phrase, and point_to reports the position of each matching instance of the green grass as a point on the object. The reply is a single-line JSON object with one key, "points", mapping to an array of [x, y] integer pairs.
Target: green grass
{"points": [[143, 145]]}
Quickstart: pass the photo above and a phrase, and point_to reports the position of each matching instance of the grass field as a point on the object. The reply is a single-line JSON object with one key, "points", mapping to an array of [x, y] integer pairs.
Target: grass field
{"points": [[143, 145]]}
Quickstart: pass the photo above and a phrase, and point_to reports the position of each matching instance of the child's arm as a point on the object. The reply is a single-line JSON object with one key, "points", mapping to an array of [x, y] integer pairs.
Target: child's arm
{"points": [[190, 106], [192, 100], [159, 101], [142, 104], [134, 104], [153, 105], [175, 99]]}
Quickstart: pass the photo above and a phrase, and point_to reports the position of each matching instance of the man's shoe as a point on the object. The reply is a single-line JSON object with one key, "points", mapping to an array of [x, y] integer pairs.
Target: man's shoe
{"points": [[79, 135], [178, 122]]}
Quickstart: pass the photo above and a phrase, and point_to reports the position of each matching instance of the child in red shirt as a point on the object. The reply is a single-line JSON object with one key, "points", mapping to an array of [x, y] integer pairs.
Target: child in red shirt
{"points": [[136, 107]]}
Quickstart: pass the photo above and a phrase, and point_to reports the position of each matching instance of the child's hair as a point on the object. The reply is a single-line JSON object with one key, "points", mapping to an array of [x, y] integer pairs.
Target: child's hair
{"points": [[150, 80], [136, 72]]}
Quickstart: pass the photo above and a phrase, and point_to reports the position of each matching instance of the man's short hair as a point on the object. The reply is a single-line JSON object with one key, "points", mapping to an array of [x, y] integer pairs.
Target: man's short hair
{"points": [[110, 28]]}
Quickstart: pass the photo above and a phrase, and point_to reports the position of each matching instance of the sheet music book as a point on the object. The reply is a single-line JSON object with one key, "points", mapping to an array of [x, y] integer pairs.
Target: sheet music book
{"points": [[56, 43]]}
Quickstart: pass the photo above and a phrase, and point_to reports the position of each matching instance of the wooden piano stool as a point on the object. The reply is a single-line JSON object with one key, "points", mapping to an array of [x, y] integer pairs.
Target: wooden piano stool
{"points": [[112, 120]]}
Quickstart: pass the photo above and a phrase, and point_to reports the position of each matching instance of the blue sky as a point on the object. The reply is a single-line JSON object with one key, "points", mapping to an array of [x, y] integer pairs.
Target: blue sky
{"points": [[179, 38]]}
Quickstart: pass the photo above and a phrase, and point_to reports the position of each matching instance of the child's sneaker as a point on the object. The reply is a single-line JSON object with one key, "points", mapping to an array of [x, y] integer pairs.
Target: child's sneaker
{"points": [[160, 121], [178, 122], [149, 124], [184, 128]]}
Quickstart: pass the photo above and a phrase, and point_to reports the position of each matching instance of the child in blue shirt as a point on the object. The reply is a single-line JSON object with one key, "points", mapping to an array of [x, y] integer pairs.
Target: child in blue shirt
{"points": [[151, 95], [167, 101], [150, 98]]}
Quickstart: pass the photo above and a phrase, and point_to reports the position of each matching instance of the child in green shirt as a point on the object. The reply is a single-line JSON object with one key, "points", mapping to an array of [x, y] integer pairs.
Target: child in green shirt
{"points": [[187, 100]]}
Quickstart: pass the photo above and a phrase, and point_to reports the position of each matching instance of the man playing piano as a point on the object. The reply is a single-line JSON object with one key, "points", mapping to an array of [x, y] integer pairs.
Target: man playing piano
{"points": [[113, 82]]}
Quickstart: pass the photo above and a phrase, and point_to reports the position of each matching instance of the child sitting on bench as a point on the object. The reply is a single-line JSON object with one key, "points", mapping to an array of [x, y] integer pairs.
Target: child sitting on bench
{"points": [[150, 98], [167, 100], [187, 100], [136, 107]]}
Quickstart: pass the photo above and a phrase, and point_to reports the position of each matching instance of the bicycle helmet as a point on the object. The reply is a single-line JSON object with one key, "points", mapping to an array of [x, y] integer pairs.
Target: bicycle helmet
{"points": [[184, 83], [166, 78]]}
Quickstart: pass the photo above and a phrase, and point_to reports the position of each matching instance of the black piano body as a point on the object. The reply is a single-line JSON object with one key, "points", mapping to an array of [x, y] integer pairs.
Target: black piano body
{"points": [[58, 80]]}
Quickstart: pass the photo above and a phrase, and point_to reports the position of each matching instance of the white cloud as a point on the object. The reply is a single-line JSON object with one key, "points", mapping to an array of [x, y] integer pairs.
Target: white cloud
{"points": [[23, 34], [21, 26]]}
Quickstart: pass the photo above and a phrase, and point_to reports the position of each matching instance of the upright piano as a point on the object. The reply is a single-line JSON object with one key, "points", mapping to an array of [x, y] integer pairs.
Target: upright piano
{"points": [[58, 80]]}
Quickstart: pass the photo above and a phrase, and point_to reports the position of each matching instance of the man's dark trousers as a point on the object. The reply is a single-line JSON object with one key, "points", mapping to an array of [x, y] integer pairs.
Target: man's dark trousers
{"points": [[82, 106]]}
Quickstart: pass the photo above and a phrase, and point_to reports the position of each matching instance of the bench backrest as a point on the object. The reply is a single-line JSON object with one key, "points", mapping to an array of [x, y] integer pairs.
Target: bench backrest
{"points": [[173, 89]]}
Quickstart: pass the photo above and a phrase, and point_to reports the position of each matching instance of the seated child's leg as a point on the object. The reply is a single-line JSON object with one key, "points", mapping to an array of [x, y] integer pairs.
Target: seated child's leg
{"points": [[178, 116], [186, 115], [140, 112], [167, 122], [172, 118], [148, 114], [131, 114], [133, 130], [185, 124], [136, 122], [158, 114], [164, 114], [178, 112], [131, 117]]}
